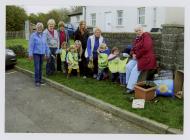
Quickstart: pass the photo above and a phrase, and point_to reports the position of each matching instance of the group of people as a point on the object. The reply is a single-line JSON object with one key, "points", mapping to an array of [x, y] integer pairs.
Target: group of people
{"points": [[90, 56]]}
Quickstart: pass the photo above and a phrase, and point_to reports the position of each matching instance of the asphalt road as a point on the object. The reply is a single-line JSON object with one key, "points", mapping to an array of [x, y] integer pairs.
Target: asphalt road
{"points": [[47, 110]]}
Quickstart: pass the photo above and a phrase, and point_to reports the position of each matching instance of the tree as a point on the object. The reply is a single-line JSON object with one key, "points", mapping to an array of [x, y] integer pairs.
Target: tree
{"points": [[76, 9], [15, 18], [33, 18]]}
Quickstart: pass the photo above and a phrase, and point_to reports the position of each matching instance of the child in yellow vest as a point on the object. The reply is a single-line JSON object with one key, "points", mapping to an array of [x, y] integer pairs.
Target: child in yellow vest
{"points": [[63, 53], [113, 63], [103, 52], [122, 68], [73, 60]]}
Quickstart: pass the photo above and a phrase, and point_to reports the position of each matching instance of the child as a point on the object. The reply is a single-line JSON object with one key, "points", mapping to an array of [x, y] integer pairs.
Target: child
{"points": [[103, 52], [63, 53], [78, 46], [113, 62], [122, 68], [73, 60]]}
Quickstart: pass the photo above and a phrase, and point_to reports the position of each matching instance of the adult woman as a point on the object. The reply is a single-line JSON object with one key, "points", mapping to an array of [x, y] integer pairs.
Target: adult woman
{"points": [[38, 49], [91, 53], [143, 58], [63, 37], [82, 34], [52, 37]]}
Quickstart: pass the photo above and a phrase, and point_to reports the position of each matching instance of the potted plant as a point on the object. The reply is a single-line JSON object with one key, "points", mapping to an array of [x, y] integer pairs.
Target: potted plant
{"points": [[145, 90]]}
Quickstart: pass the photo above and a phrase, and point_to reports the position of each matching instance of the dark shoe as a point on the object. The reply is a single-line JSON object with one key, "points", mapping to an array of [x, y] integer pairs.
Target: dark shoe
{"points": [[129, 91], [78, 74], [42, 83]]}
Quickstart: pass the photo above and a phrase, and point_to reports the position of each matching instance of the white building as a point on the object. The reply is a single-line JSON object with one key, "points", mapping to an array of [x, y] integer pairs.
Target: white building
{"points": [[124, 19]]}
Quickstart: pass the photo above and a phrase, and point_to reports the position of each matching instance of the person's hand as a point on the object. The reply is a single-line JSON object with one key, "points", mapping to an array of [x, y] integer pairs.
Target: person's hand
{"points": [[30, 58], [134, 56]]}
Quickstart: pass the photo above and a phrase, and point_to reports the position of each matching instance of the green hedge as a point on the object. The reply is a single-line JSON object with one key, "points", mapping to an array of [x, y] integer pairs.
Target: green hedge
{"points": [[19, 50]]}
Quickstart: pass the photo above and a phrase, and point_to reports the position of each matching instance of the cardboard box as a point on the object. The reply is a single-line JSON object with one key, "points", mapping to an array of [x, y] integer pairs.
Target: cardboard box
{"points": [[142, 93], [178, 83]]}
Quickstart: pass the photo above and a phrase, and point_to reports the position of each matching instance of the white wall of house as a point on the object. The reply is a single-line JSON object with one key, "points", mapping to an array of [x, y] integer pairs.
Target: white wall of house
{"points": [[175, 15], [106, 18]]}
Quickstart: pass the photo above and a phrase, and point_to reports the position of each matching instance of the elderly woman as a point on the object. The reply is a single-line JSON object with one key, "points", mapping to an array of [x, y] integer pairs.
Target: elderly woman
{"points": [[38, 49], [63, 37], [52, 37], [143, 58], [91, 53], [82, 34]]}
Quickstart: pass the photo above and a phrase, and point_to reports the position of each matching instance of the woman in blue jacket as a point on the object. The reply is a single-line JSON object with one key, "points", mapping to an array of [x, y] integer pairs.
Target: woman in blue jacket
{"points": [[38, 50]]}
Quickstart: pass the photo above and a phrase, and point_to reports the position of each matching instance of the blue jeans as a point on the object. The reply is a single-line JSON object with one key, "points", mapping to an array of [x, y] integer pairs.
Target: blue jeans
{"points": [[38, 61], [122, 78], [132, 74]]}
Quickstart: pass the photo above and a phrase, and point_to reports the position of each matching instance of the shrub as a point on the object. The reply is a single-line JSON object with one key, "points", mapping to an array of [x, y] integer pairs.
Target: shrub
{"points": [[19, 50]]}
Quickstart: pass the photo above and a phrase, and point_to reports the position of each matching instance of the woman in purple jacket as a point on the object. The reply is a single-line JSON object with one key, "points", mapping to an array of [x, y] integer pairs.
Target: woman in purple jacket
{"points": [[38, 49]]}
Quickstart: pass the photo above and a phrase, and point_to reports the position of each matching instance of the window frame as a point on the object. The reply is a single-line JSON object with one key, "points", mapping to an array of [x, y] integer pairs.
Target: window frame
{"points": [[141, 15], [119, 17], [93, 19]]}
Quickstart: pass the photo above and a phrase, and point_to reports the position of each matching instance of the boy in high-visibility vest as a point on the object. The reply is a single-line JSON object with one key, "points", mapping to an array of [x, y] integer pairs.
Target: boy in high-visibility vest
{"points": [[103, 52]]}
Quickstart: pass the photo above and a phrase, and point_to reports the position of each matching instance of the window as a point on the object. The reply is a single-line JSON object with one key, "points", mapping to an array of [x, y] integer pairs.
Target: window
{"points": [[141, 15], [93, 19], [78, 18], [120, 17]]}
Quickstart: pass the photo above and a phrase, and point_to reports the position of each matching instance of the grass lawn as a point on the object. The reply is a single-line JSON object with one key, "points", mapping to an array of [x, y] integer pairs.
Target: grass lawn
{"points": [[167, 110], [23, 42], [13, 42]]}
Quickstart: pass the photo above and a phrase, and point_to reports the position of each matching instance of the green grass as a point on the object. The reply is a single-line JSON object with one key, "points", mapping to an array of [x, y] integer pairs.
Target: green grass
{"points": [[23, 42], [168, 110], [13, 42]]}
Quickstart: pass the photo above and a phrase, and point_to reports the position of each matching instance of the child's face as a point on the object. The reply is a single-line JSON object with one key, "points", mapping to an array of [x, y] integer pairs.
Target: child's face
{"points": [[77, 46], [116, 52], [63, 46]]}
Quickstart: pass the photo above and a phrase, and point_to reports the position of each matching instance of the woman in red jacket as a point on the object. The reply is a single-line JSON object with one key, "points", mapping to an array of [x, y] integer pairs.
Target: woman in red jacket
{"points": [[143, 58]]}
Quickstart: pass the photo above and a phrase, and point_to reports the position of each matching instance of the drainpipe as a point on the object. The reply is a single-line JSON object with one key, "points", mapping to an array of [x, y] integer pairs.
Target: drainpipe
{"points": [[85, 13]]}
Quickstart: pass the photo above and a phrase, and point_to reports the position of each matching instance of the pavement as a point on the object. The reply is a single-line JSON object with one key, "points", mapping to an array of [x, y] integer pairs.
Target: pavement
{"points": [[30, 109]]}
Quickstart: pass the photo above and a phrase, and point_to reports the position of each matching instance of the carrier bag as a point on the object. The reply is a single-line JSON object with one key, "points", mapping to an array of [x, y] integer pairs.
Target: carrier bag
{"points": [[51, 65], [165, 83]]}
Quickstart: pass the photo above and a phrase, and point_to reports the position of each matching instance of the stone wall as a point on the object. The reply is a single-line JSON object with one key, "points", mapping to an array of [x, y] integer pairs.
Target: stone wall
{"points": [[168, 45], [172, 48]]}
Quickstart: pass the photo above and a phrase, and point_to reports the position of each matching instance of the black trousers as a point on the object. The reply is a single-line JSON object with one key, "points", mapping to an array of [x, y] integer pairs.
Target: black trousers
{"points": [[59, 62]]}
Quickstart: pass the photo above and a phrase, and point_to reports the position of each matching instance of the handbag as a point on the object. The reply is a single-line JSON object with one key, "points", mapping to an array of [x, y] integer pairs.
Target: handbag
{"points": [[90, 64]]}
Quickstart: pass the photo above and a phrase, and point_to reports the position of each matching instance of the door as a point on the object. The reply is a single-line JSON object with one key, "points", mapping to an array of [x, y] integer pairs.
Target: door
{"points": [[108, 21]]}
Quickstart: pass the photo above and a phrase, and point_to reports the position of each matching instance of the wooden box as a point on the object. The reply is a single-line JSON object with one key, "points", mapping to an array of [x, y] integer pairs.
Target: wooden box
{"points": [[144, 93]]}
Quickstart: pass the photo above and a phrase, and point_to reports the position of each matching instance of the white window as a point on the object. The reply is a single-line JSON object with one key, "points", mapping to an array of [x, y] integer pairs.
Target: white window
{"points": [[93, 19], [78, 18], [141, 15], [154, 17], [120, 17]]}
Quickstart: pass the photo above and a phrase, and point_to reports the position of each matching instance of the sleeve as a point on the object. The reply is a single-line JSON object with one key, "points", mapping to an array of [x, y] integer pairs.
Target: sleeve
{"points": [[58, 42], [146, 46], [31, 45], [47, 50], [68, 39], [88, 48]]}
